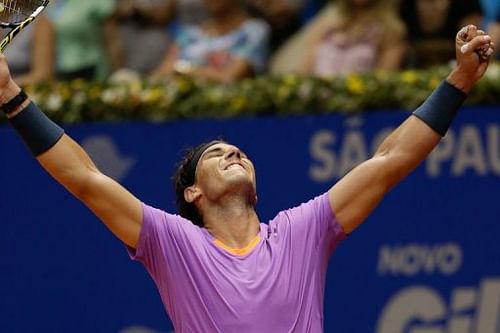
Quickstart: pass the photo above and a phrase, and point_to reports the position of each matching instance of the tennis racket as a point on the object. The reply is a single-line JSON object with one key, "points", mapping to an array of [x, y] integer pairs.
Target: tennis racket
{"points": [[16, 15]]}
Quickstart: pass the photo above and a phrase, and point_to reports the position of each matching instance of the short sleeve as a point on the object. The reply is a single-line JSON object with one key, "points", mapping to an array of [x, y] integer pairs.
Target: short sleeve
{"points": [[314, 223], [162, 237]]}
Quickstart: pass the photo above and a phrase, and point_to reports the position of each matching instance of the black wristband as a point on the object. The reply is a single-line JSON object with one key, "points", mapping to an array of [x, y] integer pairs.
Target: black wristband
{"points": [[439, 110], [14, 103], [36, 129]]}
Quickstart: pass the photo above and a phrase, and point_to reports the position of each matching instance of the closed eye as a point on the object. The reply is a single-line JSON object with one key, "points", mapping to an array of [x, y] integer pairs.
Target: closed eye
{"points": [[216, 152]]}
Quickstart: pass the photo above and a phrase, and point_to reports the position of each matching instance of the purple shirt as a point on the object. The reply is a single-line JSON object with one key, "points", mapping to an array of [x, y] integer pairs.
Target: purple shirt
{"points": [[276, 286]]}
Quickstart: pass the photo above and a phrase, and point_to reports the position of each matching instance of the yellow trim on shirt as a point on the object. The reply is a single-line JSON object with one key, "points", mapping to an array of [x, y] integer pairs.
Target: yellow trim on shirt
{"points": [[239, 252]]}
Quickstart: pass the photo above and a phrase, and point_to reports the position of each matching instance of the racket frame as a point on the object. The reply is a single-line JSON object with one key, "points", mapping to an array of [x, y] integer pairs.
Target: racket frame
{"points": [[18, 26]]}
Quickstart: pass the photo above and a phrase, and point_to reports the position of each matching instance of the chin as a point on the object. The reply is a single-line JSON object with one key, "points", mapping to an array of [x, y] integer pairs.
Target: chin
{"points": [[242, 184], [240, 181]]}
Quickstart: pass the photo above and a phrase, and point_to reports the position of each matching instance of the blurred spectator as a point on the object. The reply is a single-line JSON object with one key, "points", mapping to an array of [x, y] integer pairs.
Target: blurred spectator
{"points": [[311, 8], [190, 11], [283, 16], [289, 57], [491, 21], [350, 36], [491, 11], [432, 26], [79, 27], [31, 54], [141, 38], [140, 25], [494, 31], [228, 46]]}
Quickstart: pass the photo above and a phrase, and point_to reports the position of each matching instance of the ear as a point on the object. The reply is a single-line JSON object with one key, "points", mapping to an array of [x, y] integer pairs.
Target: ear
{"points": [[191, 193]]}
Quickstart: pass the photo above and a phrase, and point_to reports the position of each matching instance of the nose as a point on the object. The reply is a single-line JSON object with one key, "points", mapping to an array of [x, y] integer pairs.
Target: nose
{"points": [[233, 152]]}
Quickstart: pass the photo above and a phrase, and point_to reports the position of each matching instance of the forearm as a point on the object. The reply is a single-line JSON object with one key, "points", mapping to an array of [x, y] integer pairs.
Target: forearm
{"points": [[71, 167], [413, 141], [68, 163], [355, 196], [65, 160]]}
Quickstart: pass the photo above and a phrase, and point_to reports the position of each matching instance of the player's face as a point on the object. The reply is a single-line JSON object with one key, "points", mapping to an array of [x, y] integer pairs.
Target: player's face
{"points": [[225, 168]]}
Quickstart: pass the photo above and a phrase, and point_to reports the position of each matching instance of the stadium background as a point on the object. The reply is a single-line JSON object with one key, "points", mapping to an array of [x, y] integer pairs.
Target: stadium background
{"points": [[427, 260]]}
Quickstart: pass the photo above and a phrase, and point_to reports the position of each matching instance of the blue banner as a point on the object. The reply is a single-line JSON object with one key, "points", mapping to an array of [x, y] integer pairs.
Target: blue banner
{"points": [[426, 261]]}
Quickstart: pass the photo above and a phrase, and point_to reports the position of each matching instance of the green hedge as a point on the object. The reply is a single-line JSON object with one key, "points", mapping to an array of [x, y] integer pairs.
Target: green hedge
{"points": [[181, 97]]}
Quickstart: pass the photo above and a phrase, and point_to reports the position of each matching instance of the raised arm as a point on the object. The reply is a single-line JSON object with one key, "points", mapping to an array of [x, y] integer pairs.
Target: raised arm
{"points": [[68, 163], [355, 196]]}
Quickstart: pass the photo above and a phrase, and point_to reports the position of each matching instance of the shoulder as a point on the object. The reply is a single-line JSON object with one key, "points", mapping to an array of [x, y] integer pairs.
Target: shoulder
{"points": [[167, 223], [318, 207], [312, 222]]}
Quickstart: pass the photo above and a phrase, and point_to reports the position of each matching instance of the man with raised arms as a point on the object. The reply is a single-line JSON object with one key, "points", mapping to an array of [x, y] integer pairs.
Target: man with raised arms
{"points": [[217, 267]]}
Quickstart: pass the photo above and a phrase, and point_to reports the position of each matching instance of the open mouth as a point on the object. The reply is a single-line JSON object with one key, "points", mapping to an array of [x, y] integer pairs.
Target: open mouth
{"points": [[234, 166]]}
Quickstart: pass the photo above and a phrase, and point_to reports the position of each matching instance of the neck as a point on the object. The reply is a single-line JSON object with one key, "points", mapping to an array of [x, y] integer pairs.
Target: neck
{"points": [[233, 221]]}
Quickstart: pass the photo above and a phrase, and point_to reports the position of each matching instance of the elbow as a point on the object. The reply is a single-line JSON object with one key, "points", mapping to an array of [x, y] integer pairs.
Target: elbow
{"points": [[82, 184], [91, 182], [392, 167]]}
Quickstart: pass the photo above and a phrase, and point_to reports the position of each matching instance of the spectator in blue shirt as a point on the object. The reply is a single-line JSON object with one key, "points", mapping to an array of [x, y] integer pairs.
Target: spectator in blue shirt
{"points": [[491, 21], [228, 46]]}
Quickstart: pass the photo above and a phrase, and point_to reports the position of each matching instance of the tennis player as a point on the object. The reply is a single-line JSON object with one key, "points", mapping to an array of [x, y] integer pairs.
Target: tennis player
{"points": [[217, 267]]}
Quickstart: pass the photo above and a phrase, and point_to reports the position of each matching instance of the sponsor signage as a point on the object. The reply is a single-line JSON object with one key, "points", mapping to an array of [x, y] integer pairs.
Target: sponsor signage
{"points": [[426, 261]]}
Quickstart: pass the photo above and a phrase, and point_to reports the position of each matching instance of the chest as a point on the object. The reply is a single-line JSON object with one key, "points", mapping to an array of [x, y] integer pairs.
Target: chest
{"points": [[277, 271]]}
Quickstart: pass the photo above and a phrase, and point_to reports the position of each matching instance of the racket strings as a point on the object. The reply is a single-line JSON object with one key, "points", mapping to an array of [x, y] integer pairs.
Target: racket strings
{"points": [[17, 10]]}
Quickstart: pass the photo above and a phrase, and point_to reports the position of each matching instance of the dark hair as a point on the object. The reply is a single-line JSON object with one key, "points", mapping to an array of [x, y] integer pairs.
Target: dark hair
{"points": [[185, 176]]}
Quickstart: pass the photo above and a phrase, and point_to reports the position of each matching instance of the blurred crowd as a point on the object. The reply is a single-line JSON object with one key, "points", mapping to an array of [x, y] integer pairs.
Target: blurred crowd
{"points": [[228, 40]]}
